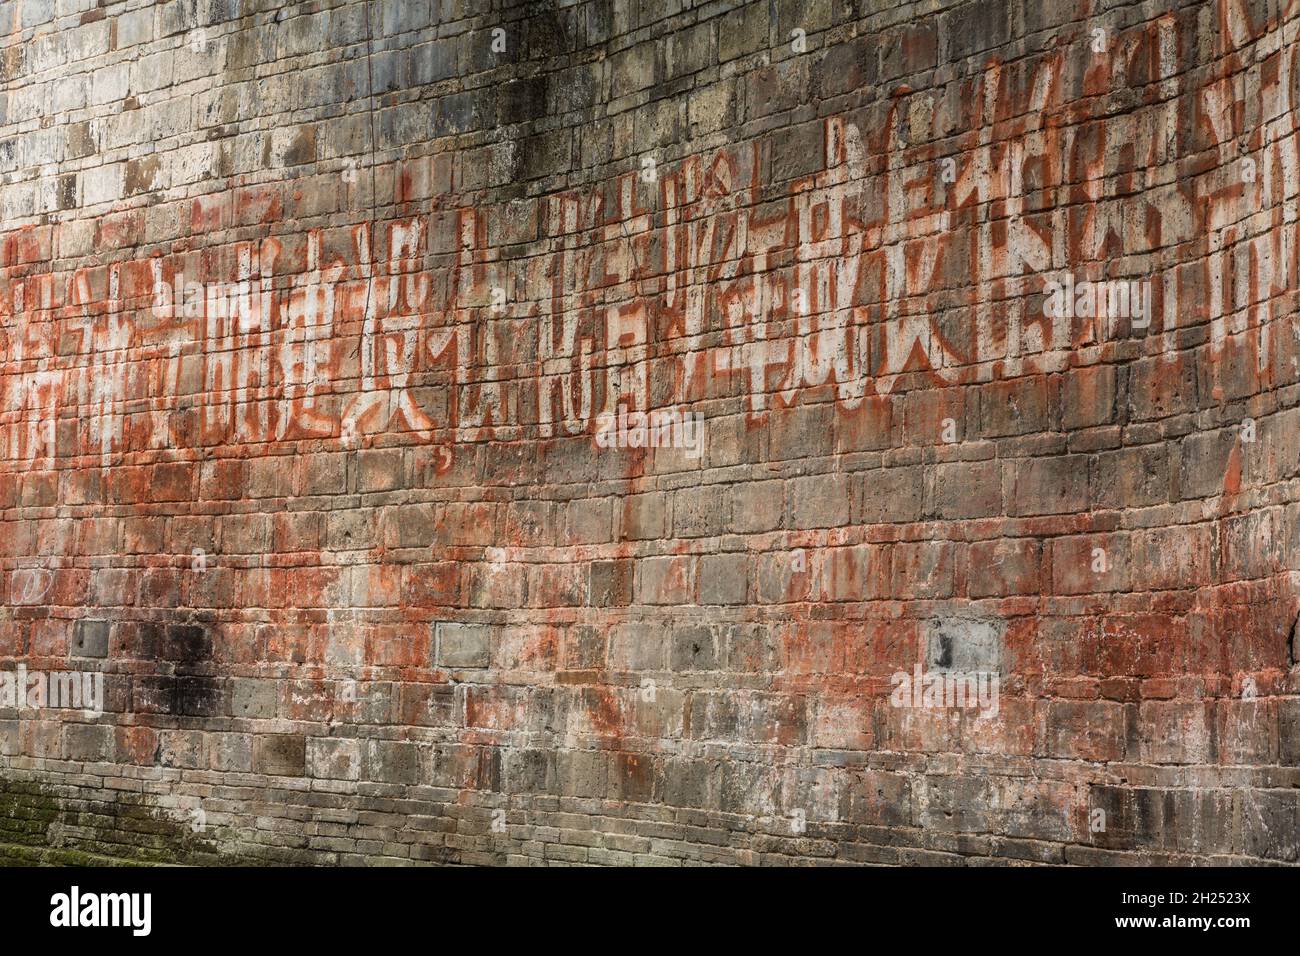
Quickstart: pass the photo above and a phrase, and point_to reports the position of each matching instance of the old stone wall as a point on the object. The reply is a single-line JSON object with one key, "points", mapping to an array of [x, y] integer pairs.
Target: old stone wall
{"points": [[327, 334]]}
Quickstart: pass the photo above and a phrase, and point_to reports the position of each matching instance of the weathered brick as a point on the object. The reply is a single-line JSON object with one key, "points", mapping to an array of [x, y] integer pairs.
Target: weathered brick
{"points": [[324, 432], [463, 645], [90, 639], [280, 754]]}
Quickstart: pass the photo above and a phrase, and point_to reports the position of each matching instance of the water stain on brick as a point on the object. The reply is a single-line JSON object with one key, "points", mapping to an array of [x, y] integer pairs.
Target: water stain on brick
{"points": [[140, 174], [187, 684]]}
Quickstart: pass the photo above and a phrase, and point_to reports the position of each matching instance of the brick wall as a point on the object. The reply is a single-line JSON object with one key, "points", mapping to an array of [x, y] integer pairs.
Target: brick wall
{"points": [[325, 336]]}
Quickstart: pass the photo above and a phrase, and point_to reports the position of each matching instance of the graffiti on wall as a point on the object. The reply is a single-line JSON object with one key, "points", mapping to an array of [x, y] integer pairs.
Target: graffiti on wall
{"points": [[693, 283]]}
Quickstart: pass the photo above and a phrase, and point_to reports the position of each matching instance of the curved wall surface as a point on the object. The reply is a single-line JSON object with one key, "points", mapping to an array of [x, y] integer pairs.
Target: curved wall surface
{"points": [[608, 433]]}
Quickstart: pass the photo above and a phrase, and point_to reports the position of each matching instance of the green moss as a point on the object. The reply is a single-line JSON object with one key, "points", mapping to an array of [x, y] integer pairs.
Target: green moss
{"points": [[39, 826]]}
